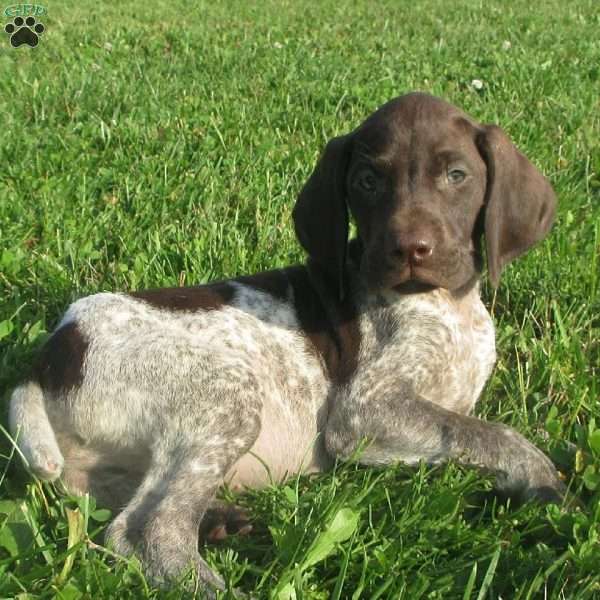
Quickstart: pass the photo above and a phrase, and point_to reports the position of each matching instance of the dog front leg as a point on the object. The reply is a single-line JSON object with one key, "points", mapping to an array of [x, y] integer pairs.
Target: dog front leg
{"points": [[403, 427]]}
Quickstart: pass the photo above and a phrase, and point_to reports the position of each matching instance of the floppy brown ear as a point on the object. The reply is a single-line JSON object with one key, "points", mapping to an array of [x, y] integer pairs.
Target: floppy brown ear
{"points": [[520, 203], [321, 216]]}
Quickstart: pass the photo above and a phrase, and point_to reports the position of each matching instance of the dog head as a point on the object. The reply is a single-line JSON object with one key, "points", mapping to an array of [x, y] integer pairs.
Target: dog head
{"points": [[423, 182]]}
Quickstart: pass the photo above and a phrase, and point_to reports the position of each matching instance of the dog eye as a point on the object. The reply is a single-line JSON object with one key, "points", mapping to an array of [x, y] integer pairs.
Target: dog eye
{"points": [[367, 181], [456, 176]]}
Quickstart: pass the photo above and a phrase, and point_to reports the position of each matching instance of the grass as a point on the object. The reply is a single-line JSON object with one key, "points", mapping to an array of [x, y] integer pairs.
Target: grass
{"points": [[163, 143]]}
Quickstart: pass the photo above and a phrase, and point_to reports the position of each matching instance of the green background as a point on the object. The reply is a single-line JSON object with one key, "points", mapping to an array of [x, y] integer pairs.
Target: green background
{"points": [[163, 143]]}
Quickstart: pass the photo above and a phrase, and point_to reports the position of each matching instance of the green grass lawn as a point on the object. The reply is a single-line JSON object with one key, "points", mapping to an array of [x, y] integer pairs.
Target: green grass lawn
{"points": [[161, 143]]}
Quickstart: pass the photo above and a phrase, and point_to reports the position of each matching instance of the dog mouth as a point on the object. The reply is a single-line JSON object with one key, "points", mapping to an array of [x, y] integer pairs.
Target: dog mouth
{"points": [[451, 270], [413, 276], [406, 280], [414, 286], [410, 277]]}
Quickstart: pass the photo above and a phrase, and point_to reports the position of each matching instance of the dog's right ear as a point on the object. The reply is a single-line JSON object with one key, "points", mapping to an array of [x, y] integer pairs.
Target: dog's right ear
{"points": [[321, 215]]}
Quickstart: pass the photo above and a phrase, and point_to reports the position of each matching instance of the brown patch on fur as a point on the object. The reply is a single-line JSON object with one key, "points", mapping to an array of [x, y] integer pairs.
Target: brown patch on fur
{"points": [[202, 297], [275, 283], [61, 361], [331, 326]]}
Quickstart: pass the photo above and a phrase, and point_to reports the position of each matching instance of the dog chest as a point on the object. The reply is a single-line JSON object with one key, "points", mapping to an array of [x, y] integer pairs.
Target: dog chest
{"points": [[443, 347]]}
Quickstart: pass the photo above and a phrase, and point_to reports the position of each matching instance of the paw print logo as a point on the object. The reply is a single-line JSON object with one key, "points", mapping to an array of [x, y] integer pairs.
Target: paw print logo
{"points": [[24, 31]]}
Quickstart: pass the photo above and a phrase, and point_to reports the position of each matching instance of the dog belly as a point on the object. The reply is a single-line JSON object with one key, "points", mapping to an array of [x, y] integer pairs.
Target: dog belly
{"points": [[289, 442]]}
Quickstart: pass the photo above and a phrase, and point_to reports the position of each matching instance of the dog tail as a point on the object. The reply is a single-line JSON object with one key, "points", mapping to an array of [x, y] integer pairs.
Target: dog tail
{"points": [[33, 431]]}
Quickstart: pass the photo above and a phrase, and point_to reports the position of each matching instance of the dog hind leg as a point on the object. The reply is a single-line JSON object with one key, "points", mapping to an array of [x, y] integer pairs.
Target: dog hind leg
{"points": [[161, 522]]}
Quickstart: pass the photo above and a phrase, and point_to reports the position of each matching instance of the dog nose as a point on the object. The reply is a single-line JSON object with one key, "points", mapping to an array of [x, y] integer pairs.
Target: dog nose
{"points": [[418, 251], [414, 249]]}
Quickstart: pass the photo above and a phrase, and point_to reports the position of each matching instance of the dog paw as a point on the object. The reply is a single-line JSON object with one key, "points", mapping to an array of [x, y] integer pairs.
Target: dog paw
{"points": [[24, 31], [168, 555], [43, 460], [223, 520], [530, 474], [188, 571]]}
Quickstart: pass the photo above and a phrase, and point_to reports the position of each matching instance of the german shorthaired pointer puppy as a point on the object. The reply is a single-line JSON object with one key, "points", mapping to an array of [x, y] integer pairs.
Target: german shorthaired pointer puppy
{"points": [[152, 400]]}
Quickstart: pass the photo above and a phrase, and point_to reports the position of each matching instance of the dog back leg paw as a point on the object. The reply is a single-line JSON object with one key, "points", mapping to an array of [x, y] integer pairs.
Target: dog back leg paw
{"points": [[33, 432]]}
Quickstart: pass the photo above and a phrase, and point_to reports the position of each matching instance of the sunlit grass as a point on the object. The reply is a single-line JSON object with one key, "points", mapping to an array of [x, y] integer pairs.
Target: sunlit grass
{"points": [[164, 143]]}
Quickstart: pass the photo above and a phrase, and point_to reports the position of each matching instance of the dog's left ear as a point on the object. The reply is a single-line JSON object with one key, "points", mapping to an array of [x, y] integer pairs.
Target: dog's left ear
{"points": [[520, 203], [321, 215]]}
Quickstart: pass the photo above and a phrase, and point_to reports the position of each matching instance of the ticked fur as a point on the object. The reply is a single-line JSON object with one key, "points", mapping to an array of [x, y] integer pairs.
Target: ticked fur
{"points": [[150, 371], [153, 400]]}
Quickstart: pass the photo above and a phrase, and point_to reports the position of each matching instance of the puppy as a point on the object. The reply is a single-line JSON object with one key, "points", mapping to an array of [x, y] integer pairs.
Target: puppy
{"points": [[151, 400]]}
